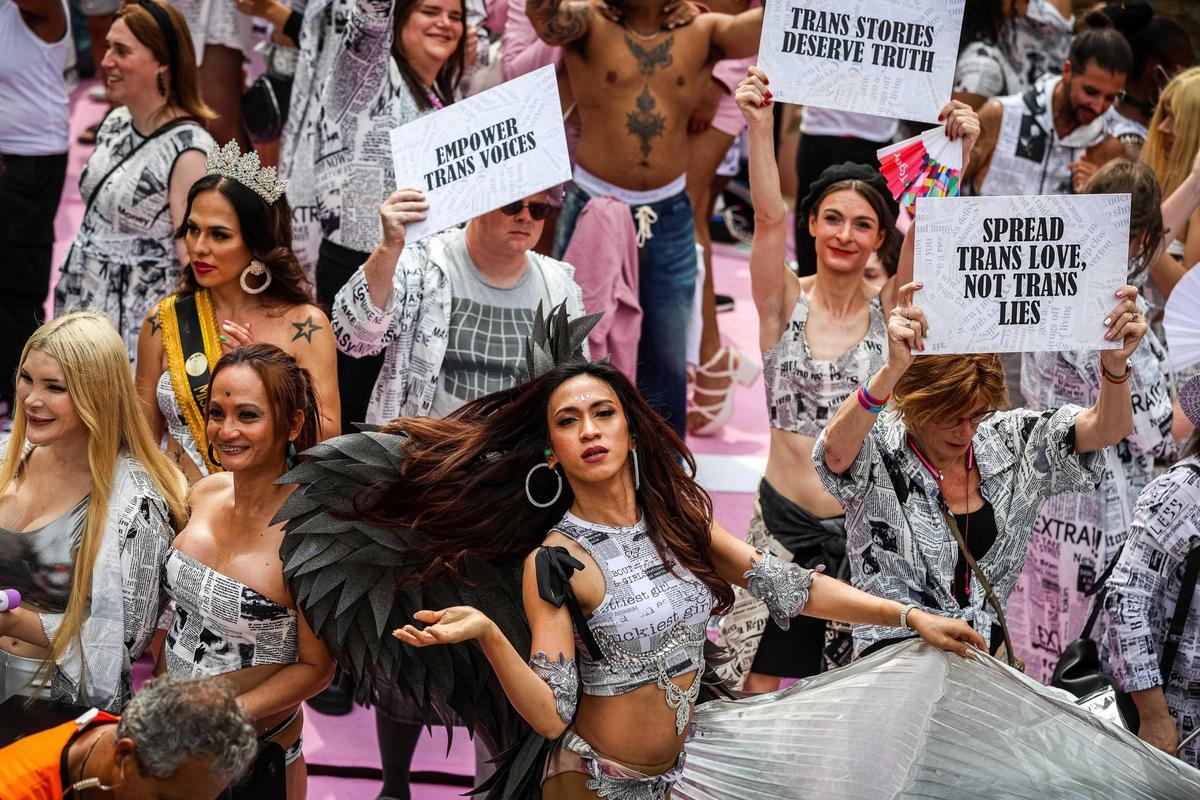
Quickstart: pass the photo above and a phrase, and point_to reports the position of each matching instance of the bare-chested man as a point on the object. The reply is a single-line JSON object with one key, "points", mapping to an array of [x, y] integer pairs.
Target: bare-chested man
{"points": [[1052, 138], [635, 84]]}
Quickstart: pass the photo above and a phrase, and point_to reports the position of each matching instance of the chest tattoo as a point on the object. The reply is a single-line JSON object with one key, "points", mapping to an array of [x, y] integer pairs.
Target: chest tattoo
{"points": [[649, 60], [645, 123]]}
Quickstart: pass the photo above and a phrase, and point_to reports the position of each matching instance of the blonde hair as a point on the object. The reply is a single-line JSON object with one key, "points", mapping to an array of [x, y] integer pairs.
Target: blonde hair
{"points": [[938, 390], [95, 367], [1182, 96], [183, 86]]}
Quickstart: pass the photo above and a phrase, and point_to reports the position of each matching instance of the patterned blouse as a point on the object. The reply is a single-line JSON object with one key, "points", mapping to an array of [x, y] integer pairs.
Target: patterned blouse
{"points": [[1142, 592], [124, 259], [896, 535], [1075, 536]]}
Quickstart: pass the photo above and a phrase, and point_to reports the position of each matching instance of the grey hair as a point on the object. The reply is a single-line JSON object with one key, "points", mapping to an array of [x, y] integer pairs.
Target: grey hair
{"points": [[174, 718]]}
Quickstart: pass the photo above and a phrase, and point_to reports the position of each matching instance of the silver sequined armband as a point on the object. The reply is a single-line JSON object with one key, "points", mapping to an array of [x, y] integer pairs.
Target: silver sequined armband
{"points": [[563, 679], [782, 585]]}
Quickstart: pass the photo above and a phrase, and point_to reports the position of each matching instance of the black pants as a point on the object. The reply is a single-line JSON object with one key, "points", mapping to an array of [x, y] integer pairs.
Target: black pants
{"points": [[30, 188], [356, 376], [814, 155]]}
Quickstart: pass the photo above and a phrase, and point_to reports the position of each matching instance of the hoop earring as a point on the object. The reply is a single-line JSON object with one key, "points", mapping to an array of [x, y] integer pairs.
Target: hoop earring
{"points": [[255, 267], [162, 85], [213, 456], [557, 492], [637, 478]]}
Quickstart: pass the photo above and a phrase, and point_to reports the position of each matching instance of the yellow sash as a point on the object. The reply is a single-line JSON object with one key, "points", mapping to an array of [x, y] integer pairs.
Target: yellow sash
{"points": [[190, 371]]}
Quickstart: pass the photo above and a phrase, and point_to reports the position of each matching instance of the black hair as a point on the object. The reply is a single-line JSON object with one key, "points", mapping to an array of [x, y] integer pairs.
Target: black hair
{"points": [[1153, 38], [267, 231], [983, 21], [1101, 44]]}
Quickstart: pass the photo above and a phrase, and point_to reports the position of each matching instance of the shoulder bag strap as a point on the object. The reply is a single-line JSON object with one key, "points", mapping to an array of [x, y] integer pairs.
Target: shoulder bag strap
{"points": [[1098, 591], [175, 123], [1013, 661]]}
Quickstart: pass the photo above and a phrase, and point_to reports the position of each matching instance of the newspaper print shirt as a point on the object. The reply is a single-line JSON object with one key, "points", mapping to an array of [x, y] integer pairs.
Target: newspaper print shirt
{"points": [[413, 329], [1143, 590], [124, 259], [1075, 536], [896, 535]]}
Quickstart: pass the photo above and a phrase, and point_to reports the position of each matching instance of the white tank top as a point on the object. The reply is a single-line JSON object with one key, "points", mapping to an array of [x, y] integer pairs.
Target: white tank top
{"points": [[36, 118]]}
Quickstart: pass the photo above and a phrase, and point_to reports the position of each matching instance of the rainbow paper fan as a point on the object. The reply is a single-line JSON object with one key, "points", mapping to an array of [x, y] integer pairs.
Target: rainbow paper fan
{"points": [[927, 165], [1181, 322]]}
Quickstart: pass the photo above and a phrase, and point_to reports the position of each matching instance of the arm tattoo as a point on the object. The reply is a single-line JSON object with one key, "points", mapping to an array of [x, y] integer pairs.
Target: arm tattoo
{"points": [[783, 586], [563, 679], [155, 325], [556, 22], [645, 123], [655, 57], [305, 329]]}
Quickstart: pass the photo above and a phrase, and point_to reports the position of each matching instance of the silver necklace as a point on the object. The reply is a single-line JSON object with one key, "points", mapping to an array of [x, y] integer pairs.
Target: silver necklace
{"points": [[643, 37]]}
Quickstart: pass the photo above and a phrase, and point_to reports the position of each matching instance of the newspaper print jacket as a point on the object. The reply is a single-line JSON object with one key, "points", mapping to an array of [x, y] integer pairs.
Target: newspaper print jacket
{"points": [[414, 327], [896, 535], [1143, 590], [97, 669], [1075, 536]]}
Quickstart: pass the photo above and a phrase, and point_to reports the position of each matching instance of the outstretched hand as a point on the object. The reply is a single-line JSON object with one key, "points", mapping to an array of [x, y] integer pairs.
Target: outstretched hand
{"points": [[946, 633], [448, 626], [754, 98]]}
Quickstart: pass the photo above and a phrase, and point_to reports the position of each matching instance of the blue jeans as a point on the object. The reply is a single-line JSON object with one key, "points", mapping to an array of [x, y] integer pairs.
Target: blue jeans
{"points": [[666, 283]]}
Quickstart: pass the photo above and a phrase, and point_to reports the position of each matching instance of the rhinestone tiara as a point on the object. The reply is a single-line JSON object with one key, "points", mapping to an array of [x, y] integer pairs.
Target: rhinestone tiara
{"points": [[228, 162]]}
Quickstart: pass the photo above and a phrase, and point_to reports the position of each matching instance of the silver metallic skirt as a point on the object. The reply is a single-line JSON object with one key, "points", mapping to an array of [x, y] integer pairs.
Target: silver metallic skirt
{"points": [[913, 722]]}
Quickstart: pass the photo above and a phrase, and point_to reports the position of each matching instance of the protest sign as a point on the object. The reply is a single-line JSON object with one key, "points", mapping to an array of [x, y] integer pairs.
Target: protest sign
{"points": [[483, 152], [1020, 274], [893, 58]]}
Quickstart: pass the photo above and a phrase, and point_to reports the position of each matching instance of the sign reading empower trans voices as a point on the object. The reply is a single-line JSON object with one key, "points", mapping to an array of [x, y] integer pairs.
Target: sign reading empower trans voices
{"points": [[483, 152], [1020, 274], [893, 58]]}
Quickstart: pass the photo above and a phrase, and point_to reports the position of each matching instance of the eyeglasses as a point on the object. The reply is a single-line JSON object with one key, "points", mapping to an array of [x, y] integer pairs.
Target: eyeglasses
{"points": [[975, 420], [539, 211]]}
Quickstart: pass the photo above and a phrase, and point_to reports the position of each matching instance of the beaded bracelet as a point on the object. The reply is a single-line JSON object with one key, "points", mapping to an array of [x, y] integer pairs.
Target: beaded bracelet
{"points": [[1117, 379]]}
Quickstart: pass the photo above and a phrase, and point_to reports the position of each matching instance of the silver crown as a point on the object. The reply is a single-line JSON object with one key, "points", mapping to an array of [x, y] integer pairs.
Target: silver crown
{"points": [[229, 162]]}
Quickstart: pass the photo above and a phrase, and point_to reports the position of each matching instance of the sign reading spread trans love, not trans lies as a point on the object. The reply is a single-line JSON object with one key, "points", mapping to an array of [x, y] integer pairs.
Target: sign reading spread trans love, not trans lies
{"points": [[483, 152], [892, 58], [1020, 274]]}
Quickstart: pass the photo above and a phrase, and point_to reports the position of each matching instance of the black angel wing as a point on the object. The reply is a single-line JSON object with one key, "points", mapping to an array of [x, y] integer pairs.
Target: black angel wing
{"points": [[355, 583]]}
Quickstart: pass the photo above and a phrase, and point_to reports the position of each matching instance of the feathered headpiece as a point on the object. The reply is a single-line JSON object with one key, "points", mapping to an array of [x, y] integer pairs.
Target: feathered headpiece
{"points": [[556, 340]]}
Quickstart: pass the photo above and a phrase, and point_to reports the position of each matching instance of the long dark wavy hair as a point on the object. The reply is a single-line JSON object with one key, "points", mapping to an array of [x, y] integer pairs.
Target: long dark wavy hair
{"points": [[267, 231], [463, 480]]}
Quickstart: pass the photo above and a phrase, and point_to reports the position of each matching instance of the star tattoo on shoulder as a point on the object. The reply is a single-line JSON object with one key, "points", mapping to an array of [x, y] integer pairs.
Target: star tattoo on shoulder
{"points": [[305, 329], [155, 325]]}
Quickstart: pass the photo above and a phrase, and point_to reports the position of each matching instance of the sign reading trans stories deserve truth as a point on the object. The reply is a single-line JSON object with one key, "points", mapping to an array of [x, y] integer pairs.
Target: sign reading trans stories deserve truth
{"points": [[483, 152], [1020, 274], [893, 58]]}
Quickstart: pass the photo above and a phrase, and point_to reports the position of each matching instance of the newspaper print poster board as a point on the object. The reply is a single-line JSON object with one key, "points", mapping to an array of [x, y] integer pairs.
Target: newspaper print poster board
{"points": [[1020, 274], [892, 58], [483, 152]]}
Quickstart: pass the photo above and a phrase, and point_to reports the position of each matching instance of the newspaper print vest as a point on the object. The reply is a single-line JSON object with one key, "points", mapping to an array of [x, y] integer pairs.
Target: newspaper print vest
{"points": [[804, 394], [1030, 158]]}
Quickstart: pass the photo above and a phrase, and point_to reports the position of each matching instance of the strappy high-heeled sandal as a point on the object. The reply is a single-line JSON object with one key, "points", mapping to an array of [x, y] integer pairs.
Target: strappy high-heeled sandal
{"points": [[716, 414]]}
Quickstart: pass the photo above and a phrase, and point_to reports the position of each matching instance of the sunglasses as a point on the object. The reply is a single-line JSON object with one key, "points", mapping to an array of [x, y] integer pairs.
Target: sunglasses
{"points": [[539, 211]]}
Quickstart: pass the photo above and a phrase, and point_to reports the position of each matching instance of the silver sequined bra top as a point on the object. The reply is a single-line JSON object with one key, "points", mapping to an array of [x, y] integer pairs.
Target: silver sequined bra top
{"points": [[804, 394], [40, 563], [650, 625]]}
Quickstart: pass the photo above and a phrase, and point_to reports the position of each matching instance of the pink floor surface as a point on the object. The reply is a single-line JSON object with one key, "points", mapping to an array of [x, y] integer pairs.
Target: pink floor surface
{"points": [[350, 741]]}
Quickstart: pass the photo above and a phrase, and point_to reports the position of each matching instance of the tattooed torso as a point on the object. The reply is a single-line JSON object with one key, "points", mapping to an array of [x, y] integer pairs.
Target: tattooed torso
{"points": [[634, 96]]}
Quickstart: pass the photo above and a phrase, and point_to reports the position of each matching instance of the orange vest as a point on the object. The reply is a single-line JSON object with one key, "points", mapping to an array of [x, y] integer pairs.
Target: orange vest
{"points": [[31, 768]]}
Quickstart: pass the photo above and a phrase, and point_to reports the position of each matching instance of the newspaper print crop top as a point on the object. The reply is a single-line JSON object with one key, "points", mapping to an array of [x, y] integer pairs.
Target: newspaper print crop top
{"points": [[804, 394], [222, 625], [650, 625]]}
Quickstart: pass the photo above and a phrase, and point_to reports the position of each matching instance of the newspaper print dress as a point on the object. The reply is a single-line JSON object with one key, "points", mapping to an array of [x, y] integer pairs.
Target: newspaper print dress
{"points": [[124, 259], [1143, 590], [1076, 535], [896, 535]]}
